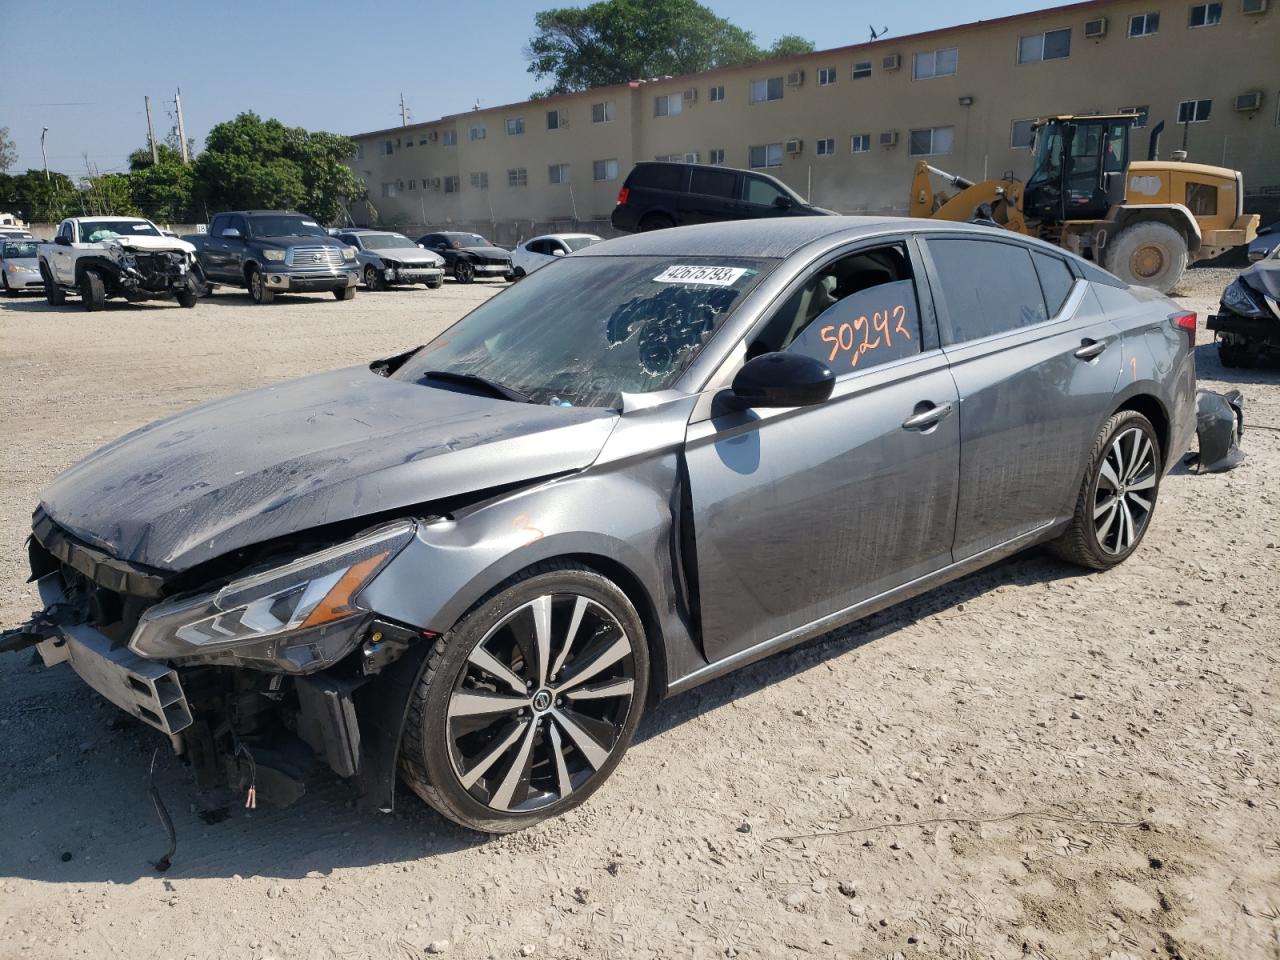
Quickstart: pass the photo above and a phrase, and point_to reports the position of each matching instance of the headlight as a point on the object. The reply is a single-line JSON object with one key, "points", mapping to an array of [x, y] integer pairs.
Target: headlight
{"points": [[1239, 299], [349, 253], [295, 617], [273, 255]]}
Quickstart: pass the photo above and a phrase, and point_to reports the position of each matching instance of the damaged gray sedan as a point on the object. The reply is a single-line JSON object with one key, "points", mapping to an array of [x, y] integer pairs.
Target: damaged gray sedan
{"points": [[474, 564]]}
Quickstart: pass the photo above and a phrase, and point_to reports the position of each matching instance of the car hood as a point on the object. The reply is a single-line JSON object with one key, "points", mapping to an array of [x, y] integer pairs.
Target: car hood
{"points": [[489, 253], [407, 255], [1264, 276], [142, 242], [301, 454]]}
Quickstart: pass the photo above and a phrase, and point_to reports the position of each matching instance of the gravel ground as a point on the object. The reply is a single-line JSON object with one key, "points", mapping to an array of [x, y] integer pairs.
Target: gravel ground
{"points": [[1028, 762]]}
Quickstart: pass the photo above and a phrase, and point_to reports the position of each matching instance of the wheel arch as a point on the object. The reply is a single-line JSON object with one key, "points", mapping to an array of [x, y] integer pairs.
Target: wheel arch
{"points": [[1175, 215], [105, 268], [1147, 403]]}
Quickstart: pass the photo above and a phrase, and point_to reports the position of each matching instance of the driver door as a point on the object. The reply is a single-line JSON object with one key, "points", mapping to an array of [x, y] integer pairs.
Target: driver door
{"points": [[800, 514]]}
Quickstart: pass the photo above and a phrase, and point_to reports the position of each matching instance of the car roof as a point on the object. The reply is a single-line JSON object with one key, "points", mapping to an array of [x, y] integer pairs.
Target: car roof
{"points": [[767, 237], [111, 219], [563, 236], [262, 213]]}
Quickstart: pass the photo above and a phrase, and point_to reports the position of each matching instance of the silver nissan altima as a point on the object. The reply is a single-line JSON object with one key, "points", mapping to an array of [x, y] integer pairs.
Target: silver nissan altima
{"points": [[472, 565]]}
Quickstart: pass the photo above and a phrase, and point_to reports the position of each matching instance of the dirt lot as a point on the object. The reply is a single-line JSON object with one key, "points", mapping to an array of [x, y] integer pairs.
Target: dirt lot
{"points": [[1030, 762]]}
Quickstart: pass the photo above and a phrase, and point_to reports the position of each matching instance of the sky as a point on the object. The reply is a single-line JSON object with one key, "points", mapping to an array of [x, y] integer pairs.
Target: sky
{"points": [[338, 65]]}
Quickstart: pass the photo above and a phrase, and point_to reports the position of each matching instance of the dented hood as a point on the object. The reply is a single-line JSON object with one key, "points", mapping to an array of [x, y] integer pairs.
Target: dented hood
{"points": [[150, 243], [304, 453]]}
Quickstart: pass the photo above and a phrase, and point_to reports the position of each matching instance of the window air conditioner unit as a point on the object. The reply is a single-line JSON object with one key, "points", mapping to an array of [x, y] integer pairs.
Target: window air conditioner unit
{"points": [[795, 78], [692, 158], [691, 95], [892, 62], [889, 138], [1249, 101], [1095, 29], [1254, 6], [793, 145]]}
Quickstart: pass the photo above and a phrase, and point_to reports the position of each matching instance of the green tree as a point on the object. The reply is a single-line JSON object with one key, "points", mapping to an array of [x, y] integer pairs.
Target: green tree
{"points": [[8, 151], [250, 162], [789, 46], [613, 41], [162, 190], [34, 198], [109, 194]]}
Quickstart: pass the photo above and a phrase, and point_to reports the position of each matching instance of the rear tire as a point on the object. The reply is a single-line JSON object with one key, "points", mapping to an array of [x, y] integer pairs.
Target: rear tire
{"points": [[1118, 495], [345, 293], [656, 221], [1150, 254], [259, 292], [53, 293], [93, 292]]}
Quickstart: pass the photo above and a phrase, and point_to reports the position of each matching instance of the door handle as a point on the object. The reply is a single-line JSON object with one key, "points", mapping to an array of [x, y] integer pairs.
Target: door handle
{"points": [[1090, 349], [926, 418]]}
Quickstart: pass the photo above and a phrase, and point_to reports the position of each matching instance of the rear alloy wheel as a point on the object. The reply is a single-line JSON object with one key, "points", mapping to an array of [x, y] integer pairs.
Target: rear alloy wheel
{"points": [[259, 292], [464, 271], [529, 703], [373, 279], [93, 292], [1118, 495]]}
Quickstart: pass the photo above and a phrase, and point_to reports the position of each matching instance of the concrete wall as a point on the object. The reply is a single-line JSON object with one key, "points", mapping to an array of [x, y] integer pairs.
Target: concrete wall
{"points": [[1177, 63]]}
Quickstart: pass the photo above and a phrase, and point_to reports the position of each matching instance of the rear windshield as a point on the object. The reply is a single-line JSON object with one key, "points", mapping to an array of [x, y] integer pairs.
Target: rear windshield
{"points": [[286, 227], [16, 250], [594, 327], [108, 229]]}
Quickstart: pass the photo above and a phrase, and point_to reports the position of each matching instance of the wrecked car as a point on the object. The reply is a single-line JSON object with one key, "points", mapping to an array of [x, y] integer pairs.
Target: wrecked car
{"points": [[129, 257], [473, 565], [1247, 324]]}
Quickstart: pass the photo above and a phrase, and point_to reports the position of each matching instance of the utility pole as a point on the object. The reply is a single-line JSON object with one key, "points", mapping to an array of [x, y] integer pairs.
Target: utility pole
{"points": [[182, 130], [404, 112], [151, 134], [44, 154]]}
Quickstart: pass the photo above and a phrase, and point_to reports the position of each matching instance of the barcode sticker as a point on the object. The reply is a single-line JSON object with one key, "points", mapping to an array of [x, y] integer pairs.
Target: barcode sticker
{"points": [[710, 276]]}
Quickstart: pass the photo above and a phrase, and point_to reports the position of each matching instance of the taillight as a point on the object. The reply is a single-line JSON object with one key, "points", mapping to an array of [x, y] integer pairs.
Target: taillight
{"points": [[1187, 322], [623, 194]]}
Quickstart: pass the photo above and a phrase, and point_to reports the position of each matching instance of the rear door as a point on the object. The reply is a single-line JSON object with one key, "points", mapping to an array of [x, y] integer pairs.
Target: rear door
{"points": [[803, 513], [1036, 365], [713, 196], [213, 251]]}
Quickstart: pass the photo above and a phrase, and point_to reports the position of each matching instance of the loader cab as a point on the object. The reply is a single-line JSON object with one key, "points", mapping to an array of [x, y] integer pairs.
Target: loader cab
{"points": [[1079, 167]]}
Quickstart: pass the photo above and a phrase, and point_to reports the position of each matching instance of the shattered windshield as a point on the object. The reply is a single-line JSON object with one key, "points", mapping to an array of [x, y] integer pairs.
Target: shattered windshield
{"points": [[593, 328], [386, 241], [108, 229], [286, 227]]}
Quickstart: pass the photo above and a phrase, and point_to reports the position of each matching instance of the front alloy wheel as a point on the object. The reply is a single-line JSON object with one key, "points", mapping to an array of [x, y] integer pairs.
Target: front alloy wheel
{"points": [[464, 271], [531, 704]]}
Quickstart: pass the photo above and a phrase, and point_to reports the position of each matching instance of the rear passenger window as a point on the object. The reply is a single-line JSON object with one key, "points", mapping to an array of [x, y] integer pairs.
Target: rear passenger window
{"points": [[855, 313], [659, 176], [713, 183], [988, 287], [1056, 279]]}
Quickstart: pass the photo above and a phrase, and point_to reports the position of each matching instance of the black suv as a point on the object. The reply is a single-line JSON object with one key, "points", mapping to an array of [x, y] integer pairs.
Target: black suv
{"points": [[662, 194]]}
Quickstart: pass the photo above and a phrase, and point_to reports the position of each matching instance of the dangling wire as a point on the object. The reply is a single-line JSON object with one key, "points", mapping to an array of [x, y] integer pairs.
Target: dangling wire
{"points": [[251, 797], [164, 862]]}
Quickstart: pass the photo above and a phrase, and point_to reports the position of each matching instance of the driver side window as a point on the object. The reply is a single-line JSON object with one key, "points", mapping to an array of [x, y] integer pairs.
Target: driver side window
{"points": [[853, 313]]}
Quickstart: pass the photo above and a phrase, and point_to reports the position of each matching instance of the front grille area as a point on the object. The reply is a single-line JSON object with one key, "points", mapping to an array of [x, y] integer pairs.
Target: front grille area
{"points": [[315, 257]]}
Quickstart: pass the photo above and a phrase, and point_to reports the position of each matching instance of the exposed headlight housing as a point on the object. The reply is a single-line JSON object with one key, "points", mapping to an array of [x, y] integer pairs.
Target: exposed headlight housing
{"points": [[348, 253], [296, 618], [275, 256], [1239, 299]]}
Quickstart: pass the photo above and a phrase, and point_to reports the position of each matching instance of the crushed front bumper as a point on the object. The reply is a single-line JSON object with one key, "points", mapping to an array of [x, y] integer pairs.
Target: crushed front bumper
{"points": [[413, 274]]}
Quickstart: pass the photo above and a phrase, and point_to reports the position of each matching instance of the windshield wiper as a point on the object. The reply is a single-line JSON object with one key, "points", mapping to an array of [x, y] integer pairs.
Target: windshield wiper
{"points": [[475, 380]]}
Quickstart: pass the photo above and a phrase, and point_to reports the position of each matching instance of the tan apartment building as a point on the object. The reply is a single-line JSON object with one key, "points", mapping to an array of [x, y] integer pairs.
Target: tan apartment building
{"points": [[844, 127]]}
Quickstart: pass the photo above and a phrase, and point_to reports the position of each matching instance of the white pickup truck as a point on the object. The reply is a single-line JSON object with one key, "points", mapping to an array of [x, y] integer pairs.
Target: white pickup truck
{"points": [[100, 257]]}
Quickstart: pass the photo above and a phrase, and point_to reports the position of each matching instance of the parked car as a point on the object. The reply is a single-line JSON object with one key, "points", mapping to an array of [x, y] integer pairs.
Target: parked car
{"points": [[667, 457], [469, 255], [15, 233], [19, 266], [1266, 242], [660, 194], [275, 251], [1247, 324], [538, 252], [101, 257], [388, 258]]}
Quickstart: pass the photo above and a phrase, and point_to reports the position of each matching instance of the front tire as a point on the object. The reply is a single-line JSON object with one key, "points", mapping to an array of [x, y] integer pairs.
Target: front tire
{"points": [[373, 279], [435, 284], [345, 293], [259, 292], [1149, 255], [525, 707], [1118, 495], [93, 292], [187, 298], [464, 271]]}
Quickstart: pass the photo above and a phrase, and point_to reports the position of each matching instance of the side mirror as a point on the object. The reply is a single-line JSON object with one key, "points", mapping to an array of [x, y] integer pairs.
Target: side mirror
{"points": [[231, 233], [781, 380], [558, 253], [422, 246], [783, 203], [62, 240]]}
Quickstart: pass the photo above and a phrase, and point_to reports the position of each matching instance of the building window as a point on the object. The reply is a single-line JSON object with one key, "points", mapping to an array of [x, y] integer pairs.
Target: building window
{"points": [[1205, 15], [1139, 114], [518, 177], [860, 143], [558, 173], [1194, 111], [556, 120], [765, 155], [449, 137], [408, 141], [388, 147], [602, 112], [389, 190], [826, 147], [359, 151], [515, 126], [604, 170], [935, 63], [826, 76], [422, 142], [480, 181], [1144, 24], [452, 185], [413, 184], [1053, 45], [715, 156], [862, 70], [716, 93], [477, 132], [931, 141], [1021, 135], [668, 105], [763, 90]]}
